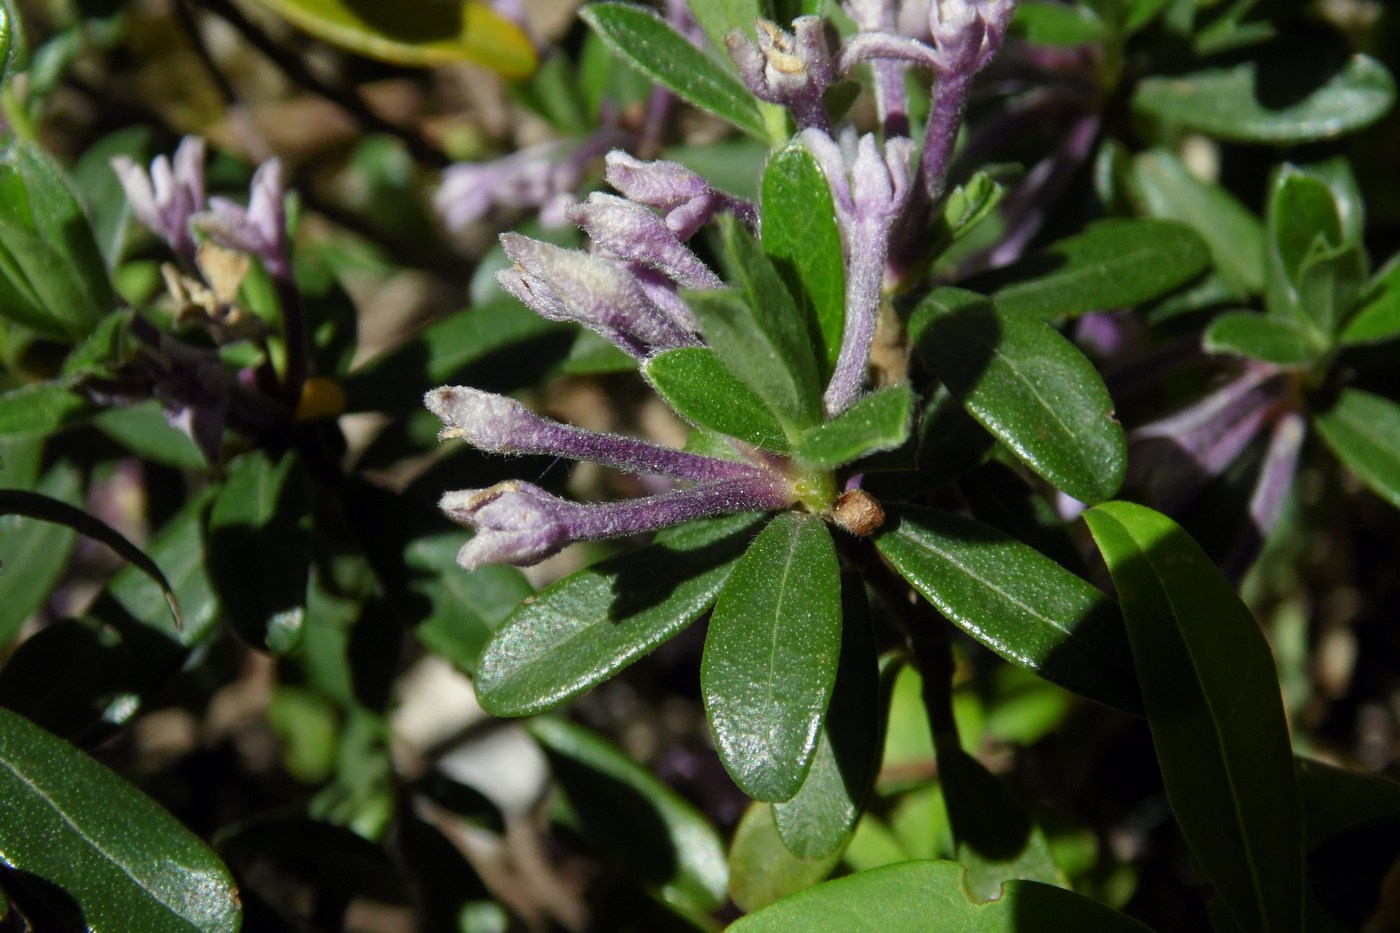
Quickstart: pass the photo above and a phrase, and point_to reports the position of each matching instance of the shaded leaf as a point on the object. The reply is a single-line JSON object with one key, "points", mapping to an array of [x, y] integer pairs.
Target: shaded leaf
{"points": [[126, 863], [41, 408], [879, 421], [801, 237], [1211, 695], [695, 383], [1262, 337], [34, 551], [1053, 24], [416, 34], [915, 897], [667, 842], [771, 655], [1363, 430], [1377, 317], [580, 631], [652, 47], [762, 869], [1336, 798], [1113, 263], [179, 548], [1291, 91], [466, 606], [1030, 387], [143, 430], [819, 820], [1016, 601]]}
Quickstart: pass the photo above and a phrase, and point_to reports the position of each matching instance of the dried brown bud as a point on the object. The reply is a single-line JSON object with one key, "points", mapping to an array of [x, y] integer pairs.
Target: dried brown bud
{"points": [[858, 512]]}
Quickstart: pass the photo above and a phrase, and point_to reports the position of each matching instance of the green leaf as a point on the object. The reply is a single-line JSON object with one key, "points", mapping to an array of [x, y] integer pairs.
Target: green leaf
{"points": [[719, 17], [800, 236], [418, 34], [969, 204], [1052, 24], [879, 421], [34, 552], [1262, 337], [143, 430], [260, 549], [52, 275], [1377, 316], [1363, 430], [695, 383], [126, 863], [1113, 263], [1016, 601], [580, 631], [466, 606], [1030, 387], [1314, 274], [771, 655], [1211, 695], [667, 843], [1336, 799], [915, 897], [762, 869], [656, 50], [41, 408], [1290, 91], [46, 508], [763, 341], [180, 549], [1165, 188], [7, 50], [819, 820]]}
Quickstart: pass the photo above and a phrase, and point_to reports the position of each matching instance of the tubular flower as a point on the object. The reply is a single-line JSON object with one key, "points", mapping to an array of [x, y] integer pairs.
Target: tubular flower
{"points": [[260, 229], [789, 68], [687, 200], [170, 195]]}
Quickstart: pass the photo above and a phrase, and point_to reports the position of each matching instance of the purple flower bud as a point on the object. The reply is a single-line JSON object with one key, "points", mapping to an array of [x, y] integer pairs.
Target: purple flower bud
{"points": [[630, 231], [571, 285], [789, 68], [686, 199], [521, 524], [166, 199], [502, 425], [260, 229], [531, 178]]}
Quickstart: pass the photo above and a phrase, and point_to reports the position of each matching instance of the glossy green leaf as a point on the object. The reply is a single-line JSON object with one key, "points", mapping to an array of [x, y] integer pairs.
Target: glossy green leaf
{"points": [[916, 897], [33, 551], [49, 509], [52, 275], [1377, 316], [1052, 24], [820, 819], [762, 340], [652, 47], [801, 237], [1262, 337], [1363, 430], [667, 843], [1165, 188], [580, 631], [1016, 601], [1030, 387], [996, 839], [416, 34], [466, 607], [879, 421], [1211, 695], [260, 549], [1314, 275], [697, 385], [125, 863], [969, 204], [771, 655], [1288, 92], [762, 869], [179, 549], [40, 408], [1111, 264]]}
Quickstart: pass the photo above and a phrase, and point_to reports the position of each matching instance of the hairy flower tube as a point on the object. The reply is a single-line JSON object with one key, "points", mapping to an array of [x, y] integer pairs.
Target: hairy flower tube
{"points": [[168, 197], [789, 68]]}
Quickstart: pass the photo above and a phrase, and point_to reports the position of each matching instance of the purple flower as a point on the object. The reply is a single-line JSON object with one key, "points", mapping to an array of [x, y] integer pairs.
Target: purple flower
{"points": [[869, 196], [498, 424], [789, 68], [687, 200], [630, 231], [537, 178], [166, 199], [518, 523], [260, 229]]}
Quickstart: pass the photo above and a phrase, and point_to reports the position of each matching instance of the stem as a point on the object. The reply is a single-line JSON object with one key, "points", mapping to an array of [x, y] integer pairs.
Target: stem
{"points": [[295, 336], [864, 285], [950, 94]]}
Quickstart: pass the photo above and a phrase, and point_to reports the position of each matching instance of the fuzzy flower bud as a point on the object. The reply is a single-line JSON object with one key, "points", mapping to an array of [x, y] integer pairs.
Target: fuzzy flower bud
{"points": [[260, 229], [502, 425], [571, 285], [687, 200], [630, 231], [789, 68], [166, 199]]}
